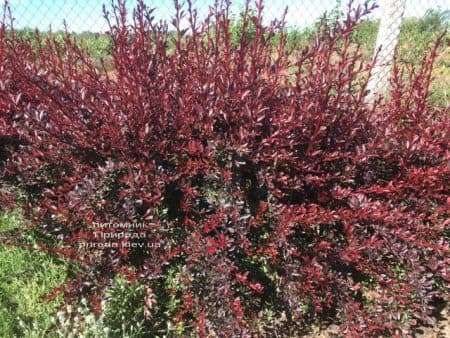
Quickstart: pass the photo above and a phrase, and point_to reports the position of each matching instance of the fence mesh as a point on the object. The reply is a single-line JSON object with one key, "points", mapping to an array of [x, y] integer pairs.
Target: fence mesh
{"points": [[392, 12], [87, 15]]}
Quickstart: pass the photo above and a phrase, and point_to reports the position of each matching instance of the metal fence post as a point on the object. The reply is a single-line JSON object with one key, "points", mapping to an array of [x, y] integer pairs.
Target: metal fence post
{"points": [[390, 22]]}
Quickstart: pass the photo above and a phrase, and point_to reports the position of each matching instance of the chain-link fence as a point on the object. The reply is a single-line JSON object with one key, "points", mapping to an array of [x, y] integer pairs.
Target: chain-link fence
{"points": [[87, 15], [387, 19]]}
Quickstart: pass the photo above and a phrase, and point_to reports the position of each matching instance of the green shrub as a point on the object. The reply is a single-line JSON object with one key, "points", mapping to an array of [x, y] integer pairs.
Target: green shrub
{"points": [[418, 34], [365, 34], [96, 44]]}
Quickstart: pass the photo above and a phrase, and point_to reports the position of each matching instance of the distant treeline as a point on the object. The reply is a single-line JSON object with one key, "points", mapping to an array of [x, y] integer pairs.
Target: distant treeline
{"points": [[416, 35]]}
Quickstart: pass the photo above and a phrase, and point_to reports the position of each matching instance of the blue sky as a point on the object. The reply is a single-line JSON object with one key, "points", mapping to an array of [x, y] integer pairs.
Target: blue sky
{"points": [[83, 15]]}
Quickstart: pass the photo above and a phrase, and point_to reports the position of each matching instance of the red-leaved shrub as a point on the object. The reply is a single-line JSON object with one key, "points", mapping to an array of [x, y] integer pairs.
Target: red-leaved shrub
{"points": [[257, 177]]}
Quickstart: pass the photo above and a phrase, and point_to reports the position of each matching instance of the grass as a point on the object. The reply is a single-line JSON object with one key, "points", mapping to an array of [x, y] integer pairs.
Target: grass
{"points": [[25, 276], [10, 221]]}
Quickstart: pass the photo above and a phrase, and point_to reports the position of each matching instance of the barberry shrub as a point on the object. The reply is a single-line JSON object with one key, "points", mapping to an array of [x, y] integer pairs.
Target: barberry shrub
{"points": [[270, 196]]}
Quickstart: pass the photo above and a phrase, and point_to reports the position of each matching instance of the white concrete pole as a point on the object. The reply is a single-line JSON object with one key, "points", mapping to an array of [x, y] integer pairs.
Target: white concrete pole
{"points": [[390, 22]]}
